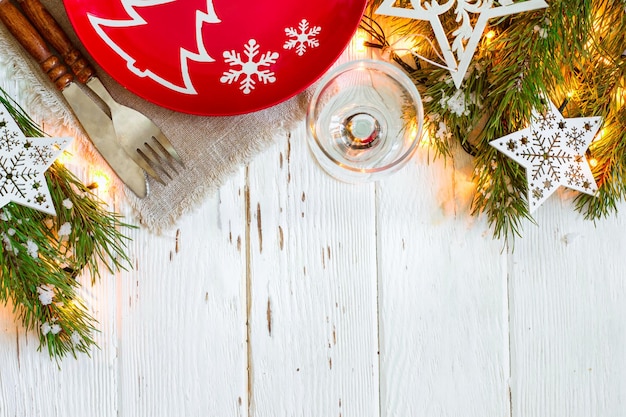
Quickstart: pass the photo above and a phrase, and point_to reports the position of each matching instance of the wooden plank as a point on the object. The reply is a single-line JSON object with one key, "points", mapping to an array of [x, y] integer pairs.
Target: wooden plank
{"points": [[182, 315], [442, 292], [31, 384], [568, 303], [312, 288], [173, 330]]}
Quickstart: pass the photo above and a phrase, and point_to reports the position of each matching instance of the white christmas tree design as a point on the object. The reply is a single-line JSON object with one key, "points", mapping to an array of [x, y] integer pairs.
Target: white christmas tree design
{"points": [[196, 53], [302, 38], [250, 68]]}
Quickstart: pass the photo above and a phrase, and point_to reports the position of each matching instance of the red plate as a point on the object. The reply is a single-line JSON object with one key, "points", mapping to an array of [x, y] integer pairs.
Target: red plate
{"points": [[215, 57]]}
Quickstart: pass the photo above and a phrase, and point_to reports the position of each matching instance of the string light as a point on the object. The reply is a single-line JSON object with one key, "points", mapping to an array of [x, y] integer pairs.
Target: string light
{"points": [[405, 43], [64, 159], [425, 140], [600, 135], [361, 39], [490, 35], [620, 97], [100, 180]]}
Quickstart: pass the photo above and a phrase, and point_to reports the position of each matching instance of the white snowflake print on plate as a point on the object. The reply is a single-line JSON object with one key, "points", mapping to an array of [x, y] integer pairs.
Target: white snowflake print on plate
{"points": [[302, 38], [249, 69]]}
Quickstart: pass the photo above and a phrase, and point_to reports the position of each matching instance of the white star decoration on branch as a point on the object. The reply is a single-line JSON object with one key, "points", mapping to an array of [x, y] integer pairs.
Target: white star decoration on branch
{"points": [[552, 150], [466, 37], [23, 162]]}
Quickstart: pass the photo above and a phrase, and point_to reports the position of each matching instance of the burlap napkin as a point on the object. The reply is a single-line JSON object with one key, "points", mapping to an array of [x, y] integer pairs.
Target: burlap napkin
{"points": [[211, 147]]}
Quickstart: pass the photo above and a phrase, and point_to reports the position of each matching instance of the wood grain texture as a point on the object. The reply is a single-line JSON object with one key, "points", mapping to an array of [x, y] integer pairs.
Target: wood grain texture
{"points": [[50, 30], [34, 44], [568, 304], [313, 336], [443, 327], [182, 336], [276, 295]]}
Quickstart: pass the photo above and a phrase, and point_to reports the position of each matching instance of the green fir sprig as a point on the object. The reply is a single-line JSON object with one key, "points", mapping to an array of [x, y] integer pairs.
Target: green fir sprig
{"points": [[574, 56], [41, 256]]}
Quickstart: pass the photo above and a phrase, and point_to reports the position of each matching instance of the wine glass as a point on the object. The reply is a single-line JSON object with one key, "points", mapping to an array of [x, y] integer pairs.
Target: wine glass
{"points": [[364, 120]]}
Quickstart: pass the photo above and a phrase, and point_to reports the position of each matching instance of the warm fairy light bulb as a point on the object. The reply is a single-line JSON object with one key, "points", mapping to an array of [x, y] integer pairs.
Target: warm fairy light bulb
{"points": [[599, 136], [593, 162], [100, 180], [361, 39], [65, 158], [620, 97], [570, 94], [606, 61], [404, 44], [425, 139], [490, 35]]}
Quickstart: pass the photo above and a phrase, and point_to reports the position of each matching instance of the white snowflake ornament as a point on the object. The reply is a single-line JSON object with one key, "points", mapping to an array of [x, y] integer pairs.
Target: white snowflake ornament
{"points": [[302, 38], [23, 162], [458, 54], [250, 68], [552, 150]]}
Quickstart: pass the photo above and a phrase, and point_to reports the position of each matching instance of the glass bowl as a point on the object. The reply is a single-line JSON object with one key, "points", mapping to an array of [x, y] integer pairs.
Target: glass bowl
{"points": [[364, 121]]}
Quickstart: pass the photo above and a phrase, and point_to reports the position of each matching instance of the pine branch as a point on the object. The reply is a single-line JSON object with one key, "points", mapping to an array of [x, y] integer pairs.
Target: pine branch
{"points": [[42, 255], [574, 56]]}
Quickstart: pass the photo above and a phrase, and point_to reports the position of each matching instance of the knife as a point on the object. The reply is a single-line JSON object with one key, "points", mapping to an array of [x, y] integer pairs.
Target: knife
{"points": [[94, 120], [52, 32]]}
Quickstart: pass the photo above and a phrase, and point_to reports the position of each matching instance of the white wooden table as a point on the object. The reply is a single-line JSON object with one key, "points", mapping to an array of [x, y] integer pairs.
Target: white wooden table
{"points": [[290, 294]]}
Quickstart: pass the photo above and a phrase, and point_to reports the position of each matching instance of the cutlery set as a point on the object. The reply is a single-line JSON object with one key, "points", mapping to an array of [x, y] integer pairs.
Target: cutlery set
{"points": [[128, 141]]}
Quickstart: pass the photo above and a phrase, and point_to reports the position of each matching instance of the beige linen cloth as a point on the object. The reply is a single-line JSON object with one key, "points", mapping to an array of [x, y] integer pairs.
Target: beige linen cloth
{"points": [[211, 147]]}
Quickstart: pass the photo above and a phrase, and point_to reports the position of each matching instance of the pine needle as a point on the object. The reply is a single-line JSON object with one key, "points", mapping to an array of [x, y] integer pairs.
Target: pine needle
{"points": [[43, 288]]}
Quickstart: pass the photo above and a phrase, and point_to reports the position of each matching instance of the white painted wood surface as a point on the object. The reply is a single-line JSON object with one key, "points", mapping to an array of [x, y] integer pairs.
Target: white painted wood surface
{"points": [[290, 294]]}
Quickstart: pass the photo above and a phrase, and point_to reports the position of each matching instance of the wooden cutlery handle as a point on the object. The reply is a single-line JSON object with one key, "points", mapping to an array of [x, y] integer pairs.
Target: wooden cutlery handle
{"points": [[48, 27], [27, 35]]}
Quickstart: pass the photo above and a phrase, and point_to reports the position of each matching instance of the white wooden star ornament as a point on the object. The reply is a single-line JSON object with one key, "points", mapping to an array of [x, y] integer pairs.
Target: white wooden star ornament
{"points": [[458, 54], [23, 162], [552, 150]]}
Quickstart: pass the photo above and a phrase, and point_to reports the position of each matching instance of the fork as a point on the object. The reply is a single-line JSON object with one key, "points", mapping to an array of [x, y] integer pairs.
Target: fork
{"points": [[139, 136]]}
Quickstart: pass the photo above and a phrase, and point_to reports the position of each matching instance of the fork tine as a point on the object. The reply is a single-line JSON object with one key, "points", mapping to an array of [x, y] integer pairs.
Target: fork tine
{"points": [[164, 154], [146, 167], [150, 161], [154, 158], [167, 146]]}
